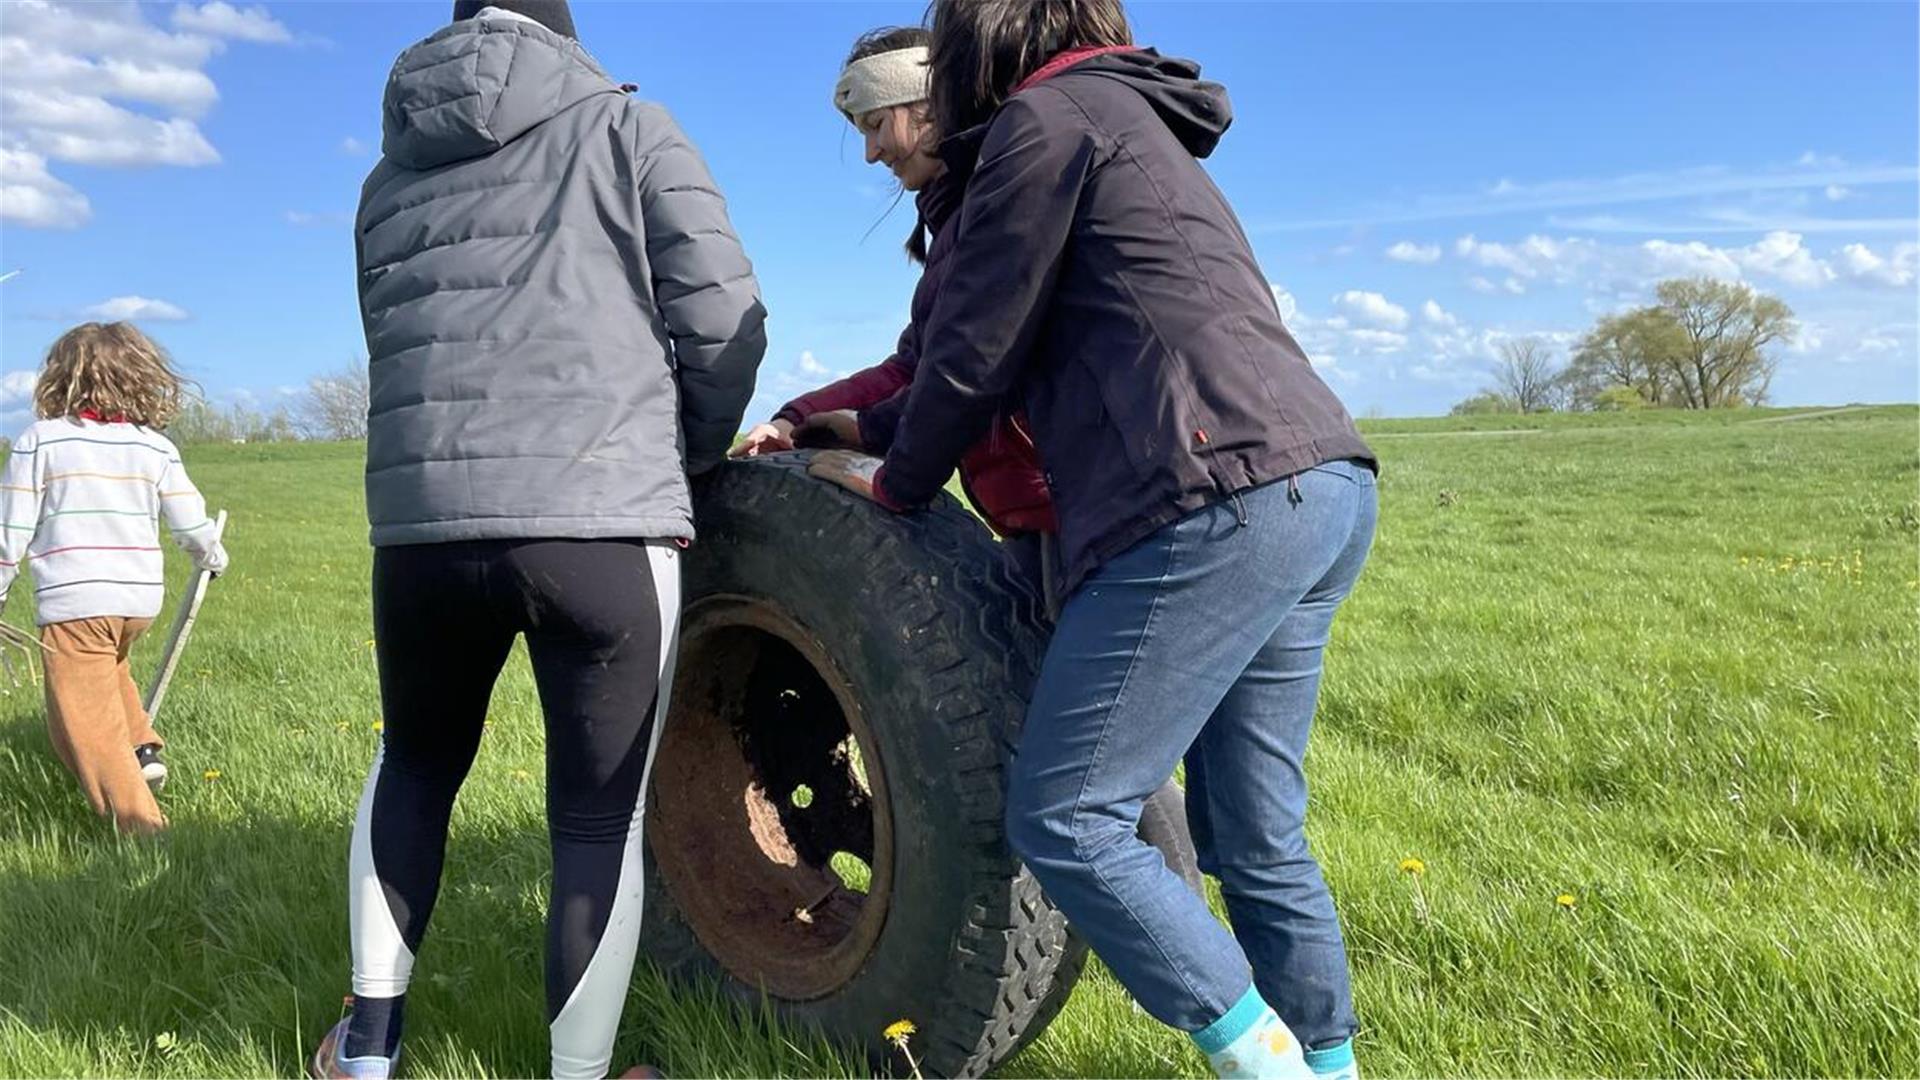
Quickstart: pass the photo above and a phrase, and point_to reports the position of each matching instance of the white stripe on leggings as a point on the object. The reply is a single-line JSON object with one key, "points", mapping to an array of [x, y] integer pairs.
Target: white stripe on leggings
{"points": [[584, 1031], [382, 963]]}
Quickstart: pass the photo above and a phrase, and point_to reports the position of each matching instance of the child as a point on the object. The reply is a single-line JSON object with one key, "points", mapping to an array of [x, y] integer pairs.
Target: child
{"points": [[81, 495]]}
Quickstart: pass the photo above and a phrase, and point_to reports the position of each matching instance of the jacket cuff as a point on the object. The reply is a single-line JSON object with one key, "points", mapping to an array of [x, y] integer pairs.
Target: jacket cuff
{"points": [[876, 435], [790, 412], [880, 492]]}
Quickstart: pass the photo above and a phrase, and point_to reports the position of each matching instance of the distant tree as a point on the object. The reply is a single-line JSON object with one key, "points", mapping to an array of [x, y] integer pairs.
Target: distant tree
{"points": [[1725, 329], [1527, 375], [334, 406], [1486, 402], [201, 421], [1617, 399], [1702, 345], [1634, 351]]}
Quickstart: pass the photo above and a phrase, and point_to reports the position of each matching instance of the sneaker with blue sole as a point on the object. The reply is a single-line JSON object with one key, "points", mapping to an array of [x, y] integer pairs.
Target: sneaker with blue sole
{"points": [[328, 1064]]}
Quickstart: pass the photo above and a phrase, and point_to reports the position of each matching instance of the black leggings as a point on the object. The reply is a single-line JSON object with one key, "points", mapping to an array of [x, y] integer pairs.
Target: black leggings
{"points": [[600, 617]]}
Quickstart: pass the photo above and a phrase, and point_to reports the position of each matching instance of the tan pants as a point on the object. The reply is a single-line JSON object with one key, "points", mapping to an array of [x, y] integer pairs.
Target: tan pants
{"points": [[95, 717]]}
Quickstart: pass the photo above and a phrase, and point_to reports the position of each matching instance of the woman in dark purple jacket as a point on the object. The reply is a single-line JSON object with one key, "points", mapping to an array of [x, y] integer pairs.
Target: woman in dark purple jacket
{"points": [[1215, 502]]}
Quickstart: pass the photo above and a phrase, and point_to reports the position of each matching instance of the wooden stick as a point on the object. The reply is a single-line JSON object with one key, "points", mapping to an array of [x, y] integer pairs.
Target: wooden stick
{"points": [[182, 629]]}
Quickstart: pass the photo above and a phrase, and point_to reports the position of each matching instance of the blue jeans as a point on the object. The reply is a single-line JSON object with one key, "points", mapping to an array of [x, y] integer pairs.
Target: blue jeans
{"points": [[1203, 640]]}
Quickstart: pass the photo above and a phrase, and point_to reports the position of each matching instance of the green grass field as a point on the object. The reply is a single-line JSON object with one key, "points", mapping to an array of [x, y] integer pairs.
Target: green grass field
{"points": [[1667, 666]]}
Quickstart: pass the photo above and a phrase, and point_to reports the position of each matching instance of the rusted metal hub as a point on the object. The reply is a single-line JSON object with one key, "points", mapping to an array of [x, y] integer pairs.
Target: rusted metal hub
{"points": [[769, 814]]}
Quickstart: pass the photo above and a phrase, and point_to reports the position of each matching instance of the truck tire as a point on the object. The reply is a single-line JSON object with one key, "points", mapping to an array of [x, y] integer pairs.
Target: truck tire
{"points": [[825, 818]]}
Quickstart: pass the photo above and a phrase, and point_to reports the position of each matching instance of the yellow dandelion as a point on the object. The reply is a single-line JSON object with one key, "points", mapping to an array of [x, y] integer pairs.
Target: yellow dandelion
{"points": [[899, 1031], [379, 725], [210, 775], [522, 774], [1413, 866], [1565, 900]]}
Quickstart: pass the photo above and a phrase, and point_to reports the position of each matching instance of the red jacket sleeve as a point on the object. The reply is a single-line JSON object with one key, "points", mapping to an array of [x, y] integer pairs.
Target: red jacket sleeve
{"points": [[856, 391]]}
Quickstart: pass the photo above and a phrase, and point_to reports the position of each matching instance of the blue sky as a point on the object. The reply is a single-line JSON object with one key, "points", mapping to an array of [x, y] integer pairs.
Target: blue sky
{"points": [[1420, 182]]}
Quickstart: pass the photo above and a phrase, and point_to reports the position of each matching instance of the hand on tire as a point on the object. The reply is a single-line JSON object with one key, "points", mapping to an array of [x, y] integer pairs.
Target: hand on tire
{"points": [[839, 430], [764, 439], [848, 470]]}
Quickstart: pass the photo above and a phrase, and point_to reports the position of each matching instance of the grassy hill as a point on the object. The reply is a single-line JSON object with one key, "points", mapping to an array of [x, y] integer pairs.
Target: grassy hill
{"points": [[1664, 666]]}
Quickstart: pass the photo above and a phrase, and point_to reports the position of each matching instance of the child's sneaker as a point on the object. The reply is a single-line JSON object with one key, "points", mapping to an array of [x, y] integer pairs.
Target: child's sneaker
{"points": [[328, 1064], [152, 769]]}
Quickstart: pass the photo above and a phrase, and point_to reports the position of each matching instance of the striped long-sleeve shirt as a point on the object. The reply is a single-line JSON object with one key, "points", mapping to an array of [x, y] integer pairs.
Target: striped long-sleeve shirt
{"points": [[82, 501]]}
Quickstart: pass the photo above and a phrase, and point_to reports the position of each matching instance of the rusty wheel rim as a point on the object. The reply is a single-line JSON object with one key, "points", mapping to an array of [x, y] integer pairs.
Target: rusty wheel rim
{"points": [[769, 802]]}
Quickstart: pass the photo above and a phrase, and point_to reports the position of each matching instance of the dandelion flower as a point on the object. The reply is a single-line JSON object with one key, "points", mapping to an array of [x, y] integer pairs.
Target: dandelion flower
{"points": [[898, 1031], [1413, 866], [379, 725], [210, 775], [1565, 900]]}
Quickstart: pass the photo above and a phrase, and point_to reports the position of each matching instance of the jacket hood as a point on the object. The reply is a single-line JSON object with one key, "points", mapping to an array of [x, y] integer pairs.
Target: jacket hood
{"points": [[477, 85], [1194, 109]]}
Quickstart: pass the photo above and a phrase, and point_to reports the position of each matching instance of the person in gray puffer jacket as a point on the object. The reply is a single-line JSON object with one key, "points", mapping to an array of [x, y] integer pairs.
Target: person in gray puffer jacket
{"points": [[560, 327], [553, 299]]}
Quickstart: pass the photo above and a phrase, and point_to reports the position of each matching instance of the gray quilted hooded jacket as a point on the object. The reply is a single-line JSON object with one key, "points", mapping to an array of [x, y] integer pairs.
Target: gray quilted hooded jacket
{"points": [[560, 322]]}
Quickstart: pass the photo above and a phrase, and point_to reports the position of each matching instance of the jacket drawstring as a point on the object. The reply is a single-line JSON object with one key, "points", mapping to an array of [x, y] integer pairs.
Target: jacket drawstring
{"points": [[1240, 510], [1293, 489]]}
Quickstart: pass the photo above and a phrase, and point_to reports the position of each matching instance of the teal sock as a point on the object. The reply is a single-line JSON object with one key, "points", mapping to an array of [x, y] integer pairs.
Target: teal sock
{"points": [[1334, 1062], [1251, 1043]]}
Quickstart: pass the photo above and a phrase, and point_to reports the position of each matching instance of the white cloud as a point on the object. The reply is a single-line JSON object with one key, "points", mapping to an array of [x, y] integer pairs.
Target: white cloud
{"points": [[1536, 256], [1373, 308], [180, 89], [1481, 285], [1435, 315], [1383, 341], [134, 307], [16, 388], [1837, 192], [1875, 343], [218, 19], [1515, 286], [1779, 255], [811, 366], [1409, 252], [353, 147], [1859, 263], [70, 66], [1284, 300], [1782, 255], [90, 130], [30, 196], [1811, 173], [1691, 259]]}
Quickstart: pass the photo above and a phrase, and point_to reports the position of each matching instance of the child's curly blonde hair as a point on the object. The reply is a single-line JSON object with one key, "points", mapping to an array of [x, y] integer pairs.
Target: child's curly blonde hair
{"points": [[111, 369]]}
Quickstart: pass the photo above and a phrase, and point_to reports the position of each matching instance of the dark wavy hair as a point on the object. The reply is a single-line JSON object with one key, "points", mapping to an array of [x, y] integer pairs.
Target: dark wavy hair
{"points": [[981, 49], [888, 39]]}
